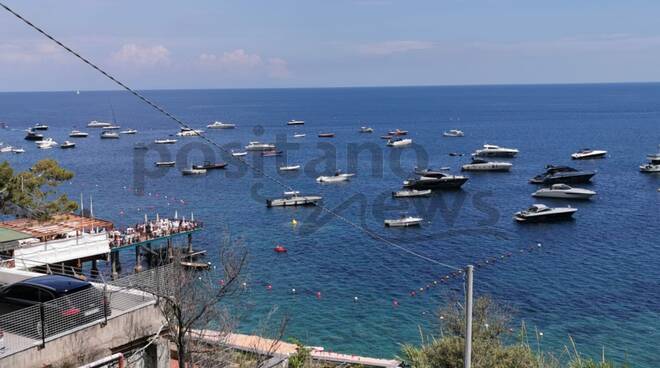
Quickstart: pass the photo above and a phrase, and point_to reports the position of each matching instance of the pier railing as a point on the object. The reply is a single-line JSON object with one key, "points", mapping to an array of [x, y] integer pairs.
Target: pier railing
{"points": [[152, 230]]}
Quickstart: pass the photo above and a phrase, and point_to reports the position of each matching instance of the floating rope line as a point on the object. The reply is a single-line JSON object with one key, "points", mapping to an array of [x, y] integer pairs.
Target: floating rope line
{"points": [[239, 159]]}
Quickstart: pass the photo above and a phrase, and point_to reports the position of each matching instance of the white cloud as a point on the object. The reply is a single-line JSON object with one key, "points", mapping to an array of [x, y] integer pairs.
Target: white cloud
{"points": [[142, 55], [28, 53], [240, 61], [393, 47]]}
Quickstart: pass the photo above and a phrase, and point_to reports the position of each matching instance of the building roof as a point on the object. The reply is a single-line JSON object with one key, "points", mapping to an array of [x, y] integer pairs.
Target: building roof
{"points": [[59, 224], [9, 235]]}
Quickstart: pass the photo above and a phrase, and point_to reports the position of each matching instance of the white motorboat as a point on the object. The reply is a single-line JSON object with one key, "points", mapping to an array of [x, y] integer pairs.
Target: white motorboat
{"points": [[68, 144], [6, 149], [128, 131], [295, 122], [365, 129], [336, 178], [299, 135], [78, 134], [98, 124], [398, 132], [17, 150], [404, 221], [39, 126], [238, 154], [564, 191], [187, 132], [221, 125], [587, 154], [653, 166], [290, 168], [399, 142], [109, 134], [543, 213], [111, 127], [491, 150], [478, 164], [411, 193], [258, 146], [453, 133], [165, 141], [191, 171], [294, 199], [46, 143], [165, 163], [140, 146]]}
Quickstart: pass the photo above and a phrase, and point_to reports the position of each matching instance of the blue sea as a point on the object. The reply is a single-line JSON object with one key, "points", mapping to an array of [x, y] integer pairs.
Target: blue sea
{"points": [[596, 279]]}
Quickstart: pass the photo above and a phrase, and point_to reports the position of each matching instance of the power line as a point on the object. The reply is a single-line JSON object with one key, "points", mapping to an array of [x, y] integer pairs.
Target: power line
{"points": [[186, 126]]}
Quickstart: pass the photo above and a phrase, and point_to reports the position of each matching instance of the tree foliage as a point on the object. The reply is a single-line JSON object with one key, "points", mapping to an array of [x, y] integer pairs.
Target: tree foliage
{"points": [[33, 193]]}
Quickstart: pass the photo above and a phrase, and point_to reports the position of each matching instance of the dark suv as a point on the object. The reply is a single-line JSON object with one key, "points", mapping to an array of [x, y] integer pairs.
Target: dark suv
{"points": [[67, 303]]}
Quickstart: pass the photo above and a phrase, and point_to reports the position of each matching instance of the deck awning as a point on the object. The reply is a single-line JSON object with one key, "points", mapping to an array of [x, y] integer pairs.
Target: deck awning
{"points": [[58, 225], [9, 238]]}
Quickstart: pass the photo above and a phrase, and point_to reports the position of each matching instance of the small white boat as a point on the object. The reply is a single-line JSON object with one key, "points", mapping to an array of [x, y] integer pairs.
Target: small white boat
{"points": [[128, 131], [453, 133], [109, 134], [111, 127], [17, 150], [140, 146], [258, 146], [491, 150], [399, 142], [165, 141], [483, 165], [295, 122], [68, 144], [165, 163], [40, 127], [404, 221], [78, 134], [564, 191], [191, 171], [299, 135], [6, 149], [238, 154], [653, 166], [587, 154], [365, 129], [336, 178], [185, 132], [398, 132], [46, 143], [98, 124], [293, 199], [543, 213], [221, 125], [290, 168], [411, 193]]}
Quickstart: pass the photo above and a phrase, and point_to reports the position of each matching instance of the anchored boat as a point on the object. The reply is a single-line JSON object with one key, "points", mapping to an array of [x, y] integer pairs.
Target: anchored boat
{"points": [[208, 165], [337, 177], [478, 164], [441, 181], [543, 213], [453, 133], [293, 198], [78, 134], [404, 221], [564, 191], [411, 193], [562, 174], [491, 150], [587, 154], [221, 125], [397, 142]]}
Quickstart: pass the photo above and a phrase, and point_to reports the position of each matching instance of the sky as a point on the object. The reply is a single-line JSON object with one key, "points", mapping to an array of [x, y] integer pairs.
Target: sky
{"points": [[320, 43]]}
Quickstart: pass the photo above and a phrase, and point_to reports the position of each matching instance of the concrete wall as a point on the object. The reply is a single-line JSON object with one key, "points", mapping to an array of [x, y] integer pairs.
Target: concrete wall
{"points": [[91, 343]]}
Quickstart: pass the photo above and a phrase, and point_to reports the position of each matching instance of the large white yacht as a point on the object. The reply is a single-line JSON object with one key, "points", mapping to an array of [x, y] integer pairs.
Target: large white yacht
{"points": [[46, 143], [221, 125], [542, 213], [587, 154], [491, 150], [478, 164], [564, 191], [98, 124], [294, 198], [258, 146], [653, 166]]}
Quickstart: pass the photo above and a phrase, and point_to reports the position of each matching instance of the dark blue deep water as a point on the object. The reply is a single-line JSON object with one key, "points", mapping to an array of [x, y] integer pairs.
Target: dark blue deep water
{"points": [[596, 278]]}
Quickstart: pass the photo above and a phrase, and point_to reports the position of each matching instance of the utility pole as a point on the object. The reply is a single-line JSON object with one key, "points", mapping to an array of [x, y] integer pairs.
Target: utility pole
{"points": [[467, 353]]}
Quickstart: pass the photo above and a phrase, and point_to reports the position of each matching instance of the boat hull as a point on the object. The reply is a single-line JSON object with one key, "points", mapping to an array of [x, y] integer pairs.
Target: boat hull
{"points": [[551, 217], [487, 167], [441, 183], [397, 223], [293, 202], [650, 168], [563, 195], [563, 179]]}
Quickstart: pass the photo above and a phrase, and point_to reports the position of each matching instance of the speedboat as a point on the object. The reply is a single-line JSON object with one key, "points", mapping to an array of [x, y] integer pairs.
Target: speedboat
{"points": [[78, 134], [337, 177], [387, 136], [404, 221], [289, 168], [271, 153], [542, 213], [295, 122], [40, 127], [653, 166], [6, 149], [111, 127], [165, 141], [411, 193], [562, 174], [46, 143], [98, 124], [208, 165], [491, 150], [165, 163], [564, 191], [299, 135], [128, 131], [439, 172], [221, 125], [326, 135], [453, 133], [140, 146], [586, 154], [258, 146], [33, 136], [455, 154], [478, 164], [238, 154], [398, 132], [294, 199], [17, 150], [109, 134], [192, 171], [365, 129], [68, 144], [188, 132], [396, 142], [440, 181]]}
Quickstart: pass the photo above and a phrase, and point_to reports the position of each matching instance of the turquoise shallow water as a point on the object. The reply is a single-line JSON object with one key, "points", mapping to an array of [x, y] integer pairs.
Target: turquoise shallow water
{"points": [[595, 278]]}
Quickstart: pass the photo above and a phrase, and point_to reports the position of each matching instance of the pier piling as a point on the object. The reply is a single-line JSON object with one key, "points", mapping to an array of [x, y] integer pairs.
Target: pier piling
{"points": [[138, 259]]}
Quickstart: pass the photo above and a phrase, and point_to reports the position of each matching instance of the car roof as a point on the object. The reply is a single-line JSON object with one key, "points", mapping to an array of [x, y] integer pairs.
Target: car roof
{"points": [[57, 283]]}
